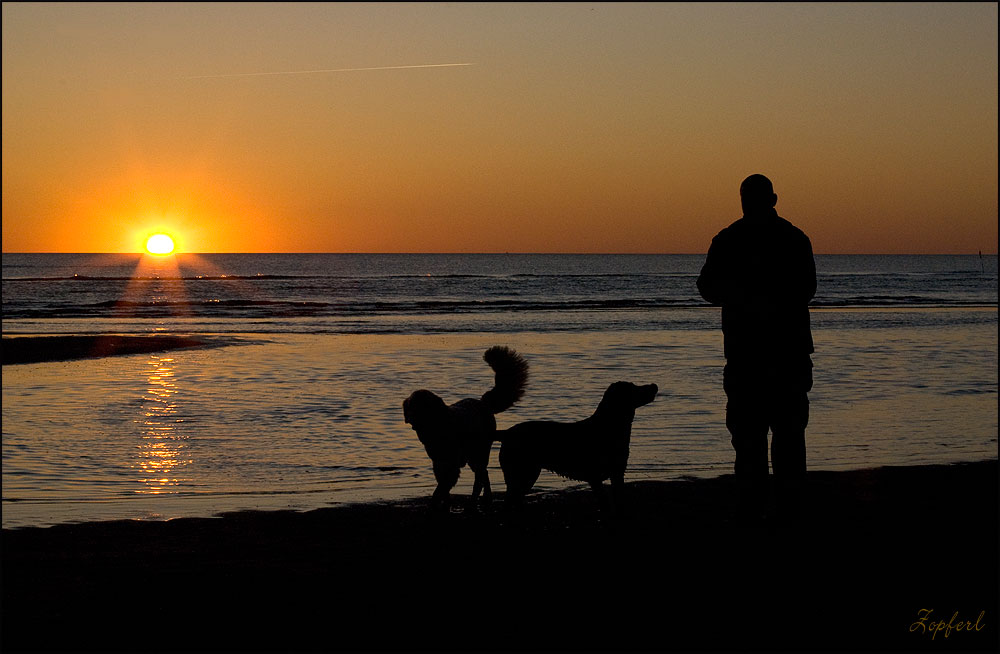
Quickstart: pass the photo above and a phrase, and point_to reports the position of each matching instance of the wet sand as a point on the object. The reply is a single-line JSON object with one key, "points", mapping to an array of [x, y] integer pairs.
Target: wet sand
{"points": [[678, 572], [35, 349]]}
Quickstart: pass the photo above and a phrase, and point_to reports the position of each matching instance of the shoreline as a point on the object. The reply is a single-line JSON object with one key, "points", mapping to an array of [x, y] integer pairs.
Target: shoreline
{"points": [[45, 348], [876, 547]]}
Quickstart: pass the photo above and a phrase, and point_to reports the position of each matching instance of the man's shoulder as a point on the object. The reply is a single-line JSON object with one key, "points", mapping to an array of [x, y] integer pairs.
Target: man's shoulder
{"points": [[732, 230], [789, 228], [744, 227]]}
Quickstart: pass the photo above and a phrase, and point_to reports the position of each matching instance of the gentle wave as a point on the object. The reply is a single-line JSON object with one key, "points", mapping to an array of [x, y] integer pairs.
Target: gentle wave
{"points": [[882, 276], [279, 310], [902, 302]]}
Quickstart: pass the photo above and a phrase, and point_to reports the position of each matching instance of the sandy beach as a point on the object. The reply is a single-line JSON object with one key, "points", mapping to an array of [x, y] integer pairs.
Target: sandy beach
{"points": [[893, 558]]}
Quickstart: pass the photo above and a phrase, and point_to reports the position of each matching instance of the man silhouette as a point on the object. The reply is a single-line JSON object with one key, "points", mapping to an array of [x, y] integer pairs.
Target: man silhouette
{"points": [[761, 271]]}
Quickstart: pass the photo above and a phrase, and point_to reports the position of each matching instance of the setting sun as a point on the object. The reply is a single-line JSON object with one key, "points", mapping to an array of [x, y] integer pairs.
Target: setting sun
{"points": [[159, 244]]}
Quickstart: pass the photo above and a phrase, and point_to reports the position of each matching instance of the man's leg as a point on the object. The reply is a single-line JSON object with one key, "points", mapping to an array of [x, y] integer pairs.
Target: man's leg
{"points": [[788, 440], [746, 419]]}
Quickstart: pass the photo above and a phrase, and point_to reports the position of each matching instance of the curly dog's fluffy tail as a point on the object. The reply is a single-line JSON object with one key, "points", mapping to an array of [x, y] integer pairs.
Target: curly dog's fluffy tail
{"points": [[511, 377]]}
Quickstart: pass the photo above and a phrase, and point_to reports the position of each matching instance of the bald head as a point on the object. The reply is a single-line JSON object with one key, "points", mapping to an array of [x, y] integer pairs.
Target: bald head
{"points": [[757, 194]]}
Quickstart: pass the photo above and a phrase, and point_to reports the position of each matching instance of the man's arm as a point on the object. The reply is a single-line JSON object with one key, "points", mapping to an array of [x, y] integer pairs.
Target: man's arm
{"points": [[711, 282], [808, 287]]}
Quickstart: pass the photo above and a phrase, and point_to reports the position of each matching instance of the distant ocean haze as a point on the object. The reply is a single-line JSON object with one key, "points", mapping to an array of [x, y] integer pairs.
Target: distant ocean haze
{"points": [[304, 407]]}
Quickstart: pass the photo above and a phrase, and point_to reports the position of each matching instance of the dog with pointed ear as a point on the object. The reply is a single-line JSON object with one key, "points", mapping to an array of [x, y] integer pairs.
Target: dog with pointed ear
{"points": [[590, 450]]}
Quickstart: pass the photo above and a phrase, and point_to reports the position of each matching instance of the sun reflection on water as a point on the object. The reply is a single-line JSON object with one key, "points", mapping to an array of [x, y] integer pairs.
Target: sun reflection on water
{"points": [[162, 446]]}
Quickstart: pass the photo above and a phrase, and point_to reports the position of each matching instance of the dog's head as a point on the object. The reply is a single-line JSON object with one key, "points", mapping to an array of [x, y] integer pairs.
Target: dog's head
{"points": [[627, 397], [424, 409]]}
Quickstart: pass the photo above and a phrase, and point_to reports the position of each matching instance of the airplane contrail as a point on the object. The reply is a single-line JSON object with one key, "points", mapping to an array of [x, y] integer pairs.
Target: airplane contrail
{"points": [[324, 70]]}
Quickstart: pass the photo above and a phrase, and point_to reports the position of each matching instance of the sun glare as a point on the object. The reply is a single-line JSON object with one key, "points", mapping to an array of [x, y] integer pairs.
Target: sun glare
{"points": [[159, 244]]}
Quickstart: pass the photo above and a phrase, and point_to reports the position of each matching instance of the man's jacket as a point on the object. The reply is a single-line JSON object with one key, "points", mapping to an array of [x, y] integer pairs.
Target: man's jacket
{"points": [[761, 271]]}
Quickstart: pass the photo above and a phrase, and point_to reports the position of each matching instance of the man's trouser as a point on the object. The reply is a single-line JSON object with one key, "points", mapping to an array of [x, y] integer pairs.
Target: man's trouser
{"points": [[769, 395]]}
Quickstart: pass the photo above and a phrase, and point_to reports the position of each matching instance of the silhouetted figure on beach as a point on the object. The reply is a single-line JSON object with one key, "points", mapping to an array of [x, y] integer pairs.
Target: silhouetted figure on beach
{"points": [[761, 271]]}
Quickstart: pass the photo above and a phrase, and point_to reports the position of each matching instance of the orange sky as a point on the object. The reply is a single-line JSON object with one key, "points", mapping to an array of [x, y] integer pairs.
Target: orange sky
{"points": [[579, 128]]}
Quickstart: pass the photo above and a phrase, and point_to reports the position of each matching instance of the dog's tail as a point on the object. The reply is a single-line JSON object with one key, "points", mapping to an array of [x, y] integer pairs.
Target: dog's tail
{"points": [[511, 377]]}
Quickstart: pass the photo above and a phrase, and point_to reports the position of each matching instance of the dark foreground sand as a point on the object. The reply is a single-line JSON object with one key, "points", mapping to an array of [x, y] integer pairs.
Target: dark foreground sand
{"points": [[678, 572], [34, 349]]}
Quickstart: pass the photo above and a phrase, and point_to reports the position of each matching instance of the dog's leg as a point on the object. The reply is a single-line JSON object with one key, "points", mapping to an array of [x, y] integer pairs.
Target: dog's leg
{"points": [[487, 489], [513, 502], [440, 498], [599, 490], [519, 481], [481, 486], [512, 497], [516, 490], [446, 477], [618, 503], [607, 502], [481, 482], [617, 491]]}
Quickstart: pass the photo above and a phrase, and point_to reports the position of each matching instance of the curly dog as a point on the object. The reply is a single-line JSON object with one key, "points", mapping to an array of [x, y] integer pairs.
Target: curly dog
{"points": [[464, 431]]}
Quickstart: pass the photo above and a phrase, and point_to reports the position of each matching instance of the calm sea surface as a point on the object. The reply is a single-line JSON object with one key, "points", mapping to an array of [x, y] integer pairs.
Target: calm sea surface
{"points": [[301, 405]]}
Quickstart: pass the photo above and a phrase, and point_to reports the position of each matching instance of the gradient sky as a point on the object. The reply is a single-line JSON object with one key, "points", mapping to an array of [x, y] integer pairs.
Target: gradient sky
{"points": [[579, 128]]}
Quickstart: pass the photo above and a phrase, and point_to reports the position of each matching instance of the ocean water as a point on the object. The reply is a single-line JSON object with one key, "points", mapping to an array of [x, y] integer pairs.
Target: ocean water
{"points": [[300, 405]]}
